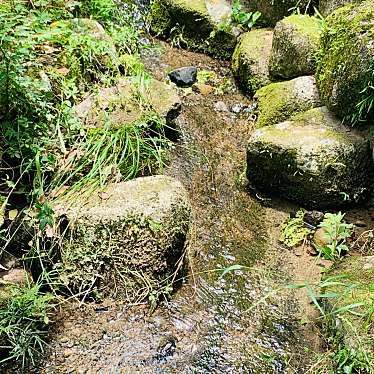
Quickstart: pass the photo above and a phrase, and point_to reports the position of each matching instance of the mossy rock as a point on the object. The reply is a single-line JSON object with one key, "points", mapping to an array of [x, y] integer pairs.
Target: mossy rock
{"points": [[279, 101], [250, 61], [274, 10], [202, 25], [328, 6], [127, 103], [126, 241], [311, 159], [345, 71], [295, 45], [353, 332]]}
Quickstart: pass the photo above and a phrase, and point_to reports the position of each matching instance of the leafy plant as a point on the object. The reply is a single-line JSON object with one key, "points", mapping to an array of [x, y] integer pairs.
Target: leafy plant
{"points": [[24, 319], [293, 231], [241, 17], [336, 232]]}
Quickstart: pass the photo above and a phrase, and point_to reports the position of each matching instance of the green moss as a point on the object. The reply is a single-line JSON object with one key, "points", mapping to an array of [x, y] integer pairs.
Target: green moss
{"points": [[311, 160], [189, 24], [307, 25], [251, 58], [279, 101], [295, 44], [345, 68]]}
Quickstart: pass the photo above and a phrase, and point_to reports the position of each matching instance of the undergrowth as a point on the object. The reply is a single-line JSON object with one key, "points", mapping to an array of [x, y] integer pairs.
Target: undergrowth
{"points": [[52, 55]]}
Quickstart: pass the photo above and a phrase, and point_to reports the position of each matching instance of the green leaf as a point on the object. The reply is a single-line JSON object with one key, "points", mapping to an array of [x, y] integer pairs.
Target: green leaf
{"points": [[232, 268]]}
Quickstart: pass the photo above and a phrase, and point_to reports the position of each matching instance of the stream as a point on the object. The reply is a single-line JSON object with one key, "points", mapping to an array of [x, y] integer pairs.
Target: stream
{"points": [[243, 322]]}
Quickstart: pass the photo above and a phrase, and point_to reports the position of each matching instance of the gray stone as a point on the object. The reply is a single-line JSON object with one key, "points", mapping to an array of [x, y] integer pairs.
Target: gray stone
{"points": [[295, 45], [250, 61], [279, 101], [119, 105], [126, 239], [311, 159], [195, 24], [184, 77], [346, 62]]}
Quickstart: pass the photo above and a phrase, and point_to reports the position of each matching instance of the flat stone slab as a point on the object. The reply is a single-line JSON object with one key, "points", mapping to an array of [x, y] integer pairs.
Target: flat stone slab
{"points": [[312, 160]]}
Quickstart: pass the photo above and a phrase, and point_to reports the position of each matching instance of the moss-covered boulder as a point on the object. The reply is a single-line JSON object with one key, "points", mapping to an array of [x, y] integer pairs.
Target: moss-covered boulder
{"points": [[199, 24], [126, 241], [279, 101], [349, 313], [311, 159], [127, 103], [295, 44], [328, 6], [274, 10], [345, 71], [250, 61]]}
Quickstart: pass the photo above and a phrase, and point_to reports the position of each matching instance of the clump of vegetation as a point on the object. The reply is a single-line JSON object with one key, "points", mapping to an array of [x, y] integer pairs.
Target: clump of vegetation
{"points": [[243, 18], [24, 320], [294, 231], [52, 55], [336, 233]]}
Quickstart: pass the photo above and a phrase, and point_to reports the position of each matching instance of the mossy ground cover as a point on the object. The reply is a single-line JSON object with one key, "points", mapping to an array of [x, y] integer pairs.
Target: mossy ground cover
{"points": [[345, 62]]}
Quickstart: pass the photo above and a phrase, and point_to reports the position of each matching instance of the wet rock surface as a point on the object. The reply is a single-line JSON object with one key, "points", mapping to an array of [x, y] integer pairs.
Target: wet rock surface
{"points": [[279, 101], [184, 77], [250, 61], [311, 159], [295, 45]]}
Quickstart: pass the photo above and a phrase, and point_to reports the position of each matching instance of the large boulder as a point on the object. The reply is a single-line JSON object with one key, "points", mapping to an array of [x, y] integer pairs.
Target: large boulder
{"points": [[328, 6], [274, 10], [250, 61], [295, 45], [349, 313], [279, 101], [195, 24], [345, 72], [120, 105], [311, 159], [127, 240]]}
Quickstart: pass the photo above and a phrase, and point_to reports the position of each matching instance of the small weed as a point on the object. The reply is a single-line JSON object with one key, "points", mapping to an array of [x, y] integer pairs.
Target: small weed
{"points": [[24, 319], [294, 231], [243, 18], [336, 232]]}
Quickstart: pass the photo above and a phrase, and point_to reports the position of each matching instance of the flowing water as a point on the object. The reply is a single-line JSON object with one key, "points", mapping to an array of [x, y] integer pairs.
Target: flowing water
{"points": [[243, 322]]}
